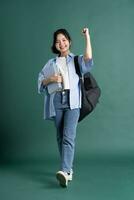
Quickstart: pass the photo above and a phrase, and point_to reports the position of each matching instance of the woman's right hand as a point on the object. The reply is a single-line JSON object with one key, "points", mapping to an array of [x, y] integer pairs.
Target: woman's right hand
{"points": [[56, 78]]}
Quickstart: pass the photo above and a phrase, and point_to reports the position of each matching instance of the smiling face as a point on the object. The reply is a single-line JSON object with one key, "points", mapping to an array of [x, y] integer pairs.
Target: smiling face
{"points": [[62, 45]]}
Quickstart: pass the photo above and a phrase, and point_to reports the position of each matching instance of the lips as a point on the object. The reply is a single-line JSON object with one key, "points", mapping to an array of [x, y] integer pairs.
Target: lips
{"points": [[62, 47]]}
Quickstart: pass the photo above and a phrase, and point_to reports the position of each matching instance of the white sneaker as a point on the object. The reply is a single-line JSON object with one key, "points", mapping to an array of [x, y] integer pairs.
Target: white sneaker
{"points": [[70, 175], [63, 178]]}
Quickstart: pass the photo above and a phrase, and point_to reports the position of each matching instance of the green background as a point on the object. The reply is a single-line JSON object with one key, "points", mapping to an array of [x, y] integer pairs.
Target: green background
{"points": [[26, 36]]}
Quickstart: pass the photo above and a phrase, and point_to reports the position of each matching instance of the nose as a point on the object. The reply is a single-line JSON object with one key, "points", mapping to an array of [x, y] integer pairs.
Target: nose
{"points": [[61, 43]]}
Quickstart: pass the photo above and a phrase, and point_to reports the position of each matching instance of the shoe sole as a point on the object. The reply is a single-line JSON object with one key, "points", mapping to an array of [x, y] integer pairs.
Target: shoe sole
{"points": [[62, 180], [70, 179]]}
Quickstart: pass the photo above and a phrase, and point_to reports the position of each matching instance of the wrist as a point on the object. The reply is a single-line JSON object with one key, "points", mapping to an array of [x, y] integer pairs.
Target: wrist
{"points": [[87, 37], [50, 80]]}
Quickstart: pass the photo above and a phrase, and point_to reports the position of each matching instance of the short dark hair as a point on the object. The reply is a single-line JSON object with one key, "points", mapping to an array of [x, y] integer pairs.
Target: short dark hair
{"points": [[59, 31]]}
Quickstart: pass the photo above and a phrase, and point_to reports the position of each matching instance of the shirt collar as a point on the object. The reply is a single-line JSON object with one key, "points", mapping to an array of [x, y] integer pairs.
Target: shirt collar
{"points": [[69, 57]]}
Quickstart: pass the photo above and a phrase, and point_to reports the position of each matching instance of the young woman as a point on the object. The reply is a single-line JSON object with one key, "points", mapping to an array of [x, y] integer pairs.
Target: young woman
{"points": [[62, 103]]}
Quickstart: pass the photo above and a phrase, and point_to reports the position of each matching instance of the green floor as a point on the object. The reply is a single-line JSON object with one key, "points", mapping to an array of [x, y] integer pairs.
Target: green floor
{"points": [[94, 179]]}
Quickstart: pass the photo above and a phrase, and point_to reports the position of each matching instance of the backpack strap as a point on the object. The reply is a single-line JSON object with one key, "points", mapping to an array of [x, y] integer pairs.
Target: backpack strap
{"points": [[77, 67]]}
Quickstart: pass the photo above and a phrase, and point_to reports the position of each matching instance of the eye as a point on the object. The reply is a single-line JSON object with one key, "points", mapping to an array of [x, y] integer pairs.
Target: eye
{"points": [[57, 42]]}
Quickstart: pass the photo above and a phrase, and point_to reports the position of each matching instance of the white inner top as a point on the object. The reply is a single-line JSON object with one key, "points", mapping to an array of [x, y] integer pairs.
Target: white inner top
{"points": [[62, 66]]}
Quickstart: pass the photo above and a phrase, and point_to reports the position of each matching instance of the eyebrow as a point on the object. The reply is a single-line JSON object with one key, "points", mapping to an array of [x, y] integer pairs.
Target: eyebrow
{"points": [[62, 39]]}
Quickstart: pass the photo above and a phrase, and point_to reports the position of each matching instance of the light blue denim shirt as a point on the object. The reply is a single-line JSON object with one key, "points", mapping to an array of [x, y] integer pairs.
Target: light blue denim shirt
{"points": [[75, 92]]}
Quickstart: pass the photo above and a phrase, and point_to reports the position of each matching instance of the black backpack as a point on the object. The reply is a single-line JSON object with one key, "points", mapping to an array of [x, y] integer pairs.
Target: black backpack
{"points": [[90, 91]]}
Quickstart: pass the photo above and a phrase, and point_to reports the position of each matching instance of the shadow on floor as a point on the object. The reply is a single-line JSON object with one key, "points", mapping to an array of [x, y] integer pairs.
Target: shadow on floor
{"points": [[42, 172]]}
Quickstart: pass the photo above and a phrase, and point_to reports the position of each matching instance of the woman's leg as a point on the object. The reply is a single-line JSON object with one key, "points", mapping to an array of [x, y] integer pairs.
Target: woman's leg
{"points": [[68, 142], [59, 129]]}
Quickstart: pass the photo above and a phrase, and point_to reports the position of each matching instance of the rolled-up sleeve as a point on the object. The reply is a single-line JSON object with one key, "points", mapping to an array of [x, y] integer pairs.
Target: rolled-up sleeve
{"points": [[41, 77], [85, 66], [41, 87]]}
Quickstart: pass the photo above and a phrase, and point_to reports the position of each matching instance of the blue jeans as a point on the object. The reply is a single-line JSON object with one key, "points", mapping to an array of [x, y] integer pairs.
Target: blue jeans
{"points": [[66, 121]]}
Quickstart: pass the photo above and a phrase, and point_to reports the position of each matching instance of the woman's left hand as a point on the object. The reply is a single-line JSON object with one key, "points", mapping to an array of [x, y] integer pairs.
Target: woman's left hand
{"points": [[85, 32]]}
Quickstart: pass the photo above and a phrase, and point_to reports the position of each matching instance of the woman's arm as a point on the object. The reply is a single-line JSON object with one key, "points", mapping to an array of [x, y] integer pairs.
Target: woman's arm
{"points": [[88, 49]]}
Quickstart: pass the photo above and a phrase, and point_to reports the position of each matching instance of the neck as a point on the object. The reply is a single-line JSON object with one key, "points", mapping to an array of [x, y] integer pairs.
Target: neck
{"points": [[64, 54]]}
